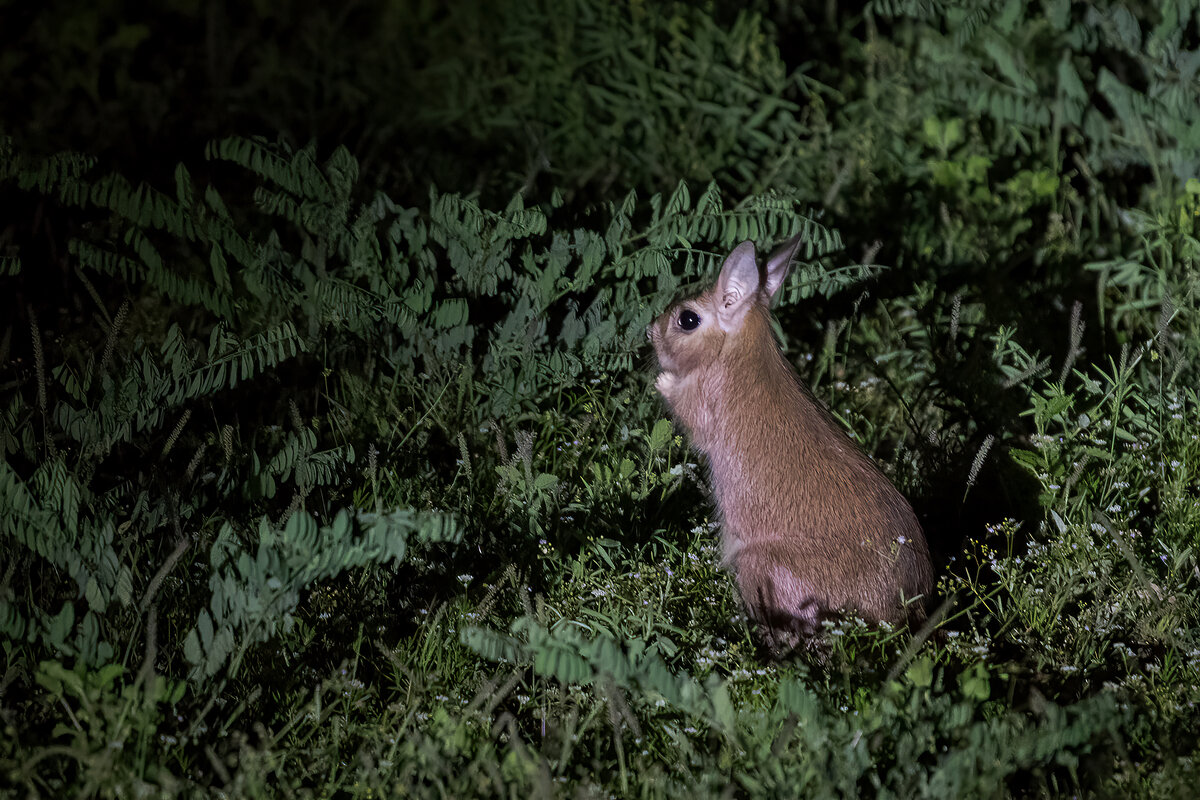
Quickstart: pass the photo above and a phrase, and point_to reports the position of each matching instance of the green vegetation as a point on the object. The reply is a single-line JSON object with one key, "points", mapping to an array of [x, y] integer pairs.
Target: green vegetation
{"points": [[332, 464]]}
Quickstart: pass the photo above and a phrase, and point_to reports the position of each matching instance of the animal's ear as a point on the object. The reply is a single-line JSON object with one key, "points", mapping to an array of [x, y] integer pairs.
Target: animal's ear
{"points": [[737, 286], [779, 263]]}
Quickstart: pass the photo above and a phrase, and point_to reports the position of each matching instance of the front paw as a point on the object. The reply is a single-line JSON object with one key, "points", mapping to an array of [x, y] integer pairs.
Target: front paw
{"points": [[666, 383]]}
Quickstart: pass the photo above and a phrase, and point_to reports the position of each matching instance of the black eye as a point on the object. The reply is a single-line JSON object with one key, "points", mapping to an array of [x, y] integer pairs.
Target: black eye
{"points": [[689, 320]]}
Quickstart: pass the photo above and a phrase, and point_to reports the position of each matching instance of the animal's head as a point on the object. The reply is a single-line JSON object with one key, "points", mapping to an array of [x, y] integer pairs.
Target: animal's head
{"points": [[692, 333]]}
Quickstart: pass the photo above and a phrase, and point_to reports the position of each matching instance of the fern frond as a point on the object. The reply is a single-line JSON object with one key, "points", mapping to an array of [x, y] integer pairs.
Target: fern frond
{"points": [[255, 594]]}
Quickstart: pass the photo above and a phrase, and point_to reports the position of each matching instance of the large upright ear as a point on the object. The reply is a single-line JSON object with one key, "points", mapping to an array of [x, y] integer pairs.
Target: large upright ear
{"points": [[779, 263], [737, 286]]}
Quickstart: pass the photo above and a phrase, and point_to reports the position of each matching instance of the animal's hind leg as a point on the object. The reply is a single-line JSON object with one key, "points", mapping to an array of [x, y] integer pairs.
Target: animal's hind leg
{"points": [[787, 610]]}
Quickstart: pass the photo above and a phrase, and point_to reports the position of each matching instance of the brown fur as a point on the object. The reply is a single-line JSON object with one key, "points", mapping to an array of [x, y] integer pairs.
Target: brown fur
{"points": [[810, 526]]}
